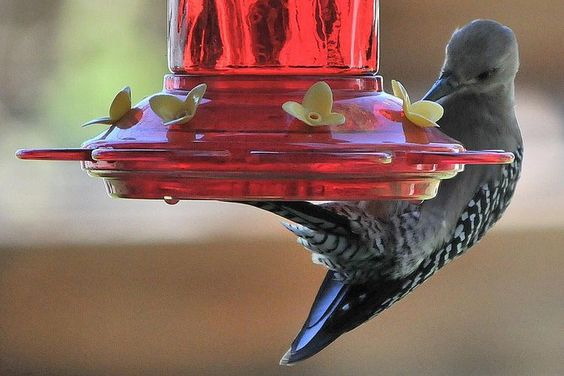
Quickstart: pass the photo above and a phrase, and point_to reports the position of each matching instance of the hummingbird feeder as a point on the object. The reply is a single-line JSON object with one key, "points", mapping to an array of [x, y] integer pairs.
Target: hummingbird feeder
{"points": [[272, 100]]}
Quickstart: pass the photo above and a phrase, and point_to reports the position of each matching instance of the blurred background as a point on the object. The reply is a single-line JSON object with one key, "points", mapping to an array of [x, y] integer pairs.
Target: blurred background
{"points": [[95, 286]]}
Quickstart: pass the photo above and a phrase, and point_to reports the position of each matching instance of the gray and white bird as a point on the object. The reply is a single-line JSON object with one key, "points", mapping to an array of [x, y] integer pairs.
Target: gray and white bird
{"points": [[377, 252]]}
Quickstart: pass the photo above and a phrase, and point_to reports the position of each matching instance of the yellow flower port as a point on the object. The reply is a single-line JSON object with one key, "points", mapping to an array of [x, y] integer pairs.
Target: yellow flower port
{"points": [[316, 108], [176, 111], [424, 114], [120, 107]]}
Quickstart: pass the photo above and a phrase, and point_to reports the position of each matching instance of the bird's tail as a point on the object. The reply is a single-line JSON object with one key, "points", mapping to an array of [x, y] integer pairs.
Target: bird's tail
{"points": [[315, 335], [339, 308]]}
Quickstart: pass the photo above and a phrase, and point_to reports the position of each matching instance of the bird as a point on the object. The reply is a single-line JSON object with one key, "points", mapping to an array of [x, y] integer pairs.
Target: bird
{"points": [[376, 252]]}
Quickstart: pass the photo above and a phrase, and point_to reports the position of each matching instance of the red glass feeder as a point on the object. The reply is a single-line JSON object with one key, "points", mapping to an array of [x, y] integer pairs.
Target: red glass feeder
{"points": [[255, 55]]}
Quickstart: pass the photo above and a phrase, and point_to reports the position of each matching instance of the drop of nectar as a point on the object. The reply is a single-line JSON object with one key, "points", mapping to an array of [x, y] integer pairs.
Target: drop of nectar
{"points": [[171, 200]]}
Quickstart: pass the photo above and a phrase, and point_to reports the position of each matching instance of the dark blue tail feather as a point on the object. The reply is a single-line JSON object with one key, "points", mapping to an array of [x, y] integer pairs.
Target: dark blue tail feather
{"points": [[339, 308], [314, 336]]}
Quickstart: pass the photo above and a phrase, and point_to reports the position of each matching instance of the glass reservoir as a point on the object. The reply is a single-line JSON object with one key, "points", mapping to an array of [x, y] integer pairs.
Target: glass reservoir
{"points": [[273, 37]]}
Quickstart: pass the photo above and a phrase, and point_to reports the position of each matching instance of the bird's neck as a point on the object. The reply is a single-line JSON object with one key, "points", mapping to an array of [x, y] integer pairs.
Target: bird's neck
{"points": [[483, 120], [506, 94]]}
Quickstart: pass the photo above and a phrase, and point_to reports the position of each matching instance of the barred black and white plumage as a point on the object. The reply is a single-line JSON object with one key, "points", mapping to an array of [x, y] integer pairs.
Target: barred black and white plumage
{"points": [[378, 252], [485, 208]]}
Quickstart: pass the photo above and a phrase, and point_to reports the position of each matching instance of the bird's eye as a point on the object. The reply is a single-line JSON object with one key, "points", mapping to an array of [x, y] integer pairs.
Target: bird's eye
{"points": [[487, 74]]}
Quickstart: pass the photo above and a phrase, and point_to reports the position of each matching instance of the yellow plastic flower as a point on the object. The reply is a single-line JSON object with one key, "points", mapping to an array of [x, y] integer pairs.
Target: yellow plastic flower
{"points": [[176, 111], [424, 114], [316, 107], [119, 108]]}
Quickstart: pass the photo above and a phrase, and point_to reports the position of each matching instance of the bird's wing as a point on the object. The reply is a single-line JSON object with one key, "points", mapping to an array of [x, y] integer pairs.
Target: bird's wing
{"points": [[307, 214]]}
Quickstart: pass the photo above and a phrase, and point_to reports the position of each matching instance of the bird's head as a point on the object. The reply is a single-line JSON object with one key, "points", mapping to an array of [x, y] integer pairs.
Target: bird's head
{"points": [[481, 57]]}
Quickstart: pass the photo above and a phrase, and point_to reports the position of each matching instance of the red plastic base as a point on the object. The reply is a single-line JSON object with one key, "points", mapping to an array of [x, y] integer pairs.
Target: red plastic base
{"points": [[241, 145]]}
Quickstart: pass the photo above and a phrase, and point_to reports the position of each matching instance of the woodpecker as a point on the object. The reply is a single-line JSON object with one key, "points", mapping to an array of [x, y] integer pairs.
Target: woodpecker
{"points": [[377, 252]]}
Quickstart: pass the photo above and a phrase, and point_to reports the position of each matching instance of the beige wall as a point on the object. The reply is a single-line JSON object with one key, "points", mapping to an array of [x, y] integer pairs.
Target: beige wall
{"points": [[233, 309], [414, 33]]}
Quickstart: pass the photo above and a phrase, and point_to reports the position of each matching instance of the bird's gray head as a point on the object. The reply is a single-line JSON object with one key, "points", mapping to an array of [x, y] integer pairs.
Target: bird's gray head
{"points": [[481, 57]]}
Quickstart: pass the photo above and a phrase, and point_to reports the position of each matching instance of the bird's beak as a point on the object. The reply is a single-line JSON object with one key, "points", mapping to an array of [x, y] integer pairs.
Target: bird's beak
{"points": [[441, 88]]}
